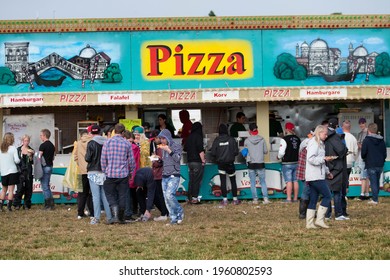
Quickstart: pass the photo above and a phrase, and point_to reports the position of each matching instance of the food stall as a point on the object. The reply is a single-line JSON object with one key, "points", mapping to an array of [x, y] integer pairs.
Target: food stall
{"points": [[305, 68]]}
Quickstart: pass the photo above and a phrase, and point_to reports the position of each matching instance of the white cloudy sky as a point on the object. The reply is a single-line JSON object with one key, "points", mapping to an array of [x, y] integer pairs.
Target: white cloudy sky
{"points": [[44, 9]]}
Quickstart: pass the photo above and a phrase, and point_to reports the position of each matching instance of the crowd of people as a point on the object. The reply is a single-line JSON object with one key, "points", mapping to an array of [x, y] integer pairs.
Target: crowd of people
{"points": [[132, 171]]}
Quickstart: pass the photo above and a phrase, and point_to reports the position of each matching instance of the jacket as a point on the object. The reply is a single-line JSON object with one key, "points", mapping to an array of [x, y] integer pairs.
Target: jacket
{"points": [[171, 161], [224, 148], [257, 148], [338, 167], [94, 152], [315, 161], [194, 143], [79, 155], [374, 151]]}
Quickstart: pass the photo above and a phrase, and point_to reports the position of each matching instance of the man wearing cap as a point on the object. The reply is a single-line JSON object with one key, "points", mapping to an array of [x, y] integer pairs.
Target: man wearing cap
{"points": [[257, 148], [335, 147], [365, 186], [288, 153], [84, 198], [117, 163]]}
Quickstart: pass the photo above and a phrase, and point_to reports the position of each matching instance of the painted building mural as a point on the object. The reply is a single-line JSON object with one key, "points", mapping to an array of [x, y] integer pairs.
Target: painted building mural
{"points": [[164, 60]]}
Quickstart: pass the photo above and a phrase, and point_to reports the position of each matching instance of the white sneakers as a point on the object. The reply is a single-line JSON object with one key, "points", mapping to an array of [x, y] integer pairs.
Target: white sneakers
{"points": [[160, 219], [373, 202]]}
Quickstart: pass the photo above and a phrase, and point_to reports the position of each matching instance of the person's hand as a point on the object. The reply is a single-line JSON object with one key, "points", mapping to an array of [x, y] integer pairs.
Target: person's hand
{"points": [[330, 176]]}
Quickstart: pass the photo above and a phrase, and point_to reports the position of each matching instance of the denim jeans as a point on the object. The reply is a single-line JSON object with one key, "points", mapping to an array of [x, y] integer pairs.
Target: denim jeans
{"points": [[129, 204], [252, 177], [305, 195], [316, 188], [374, 175], [170, 186], [99, 197], [45, 181], [289, 172], [338, 208], [195, 171]]}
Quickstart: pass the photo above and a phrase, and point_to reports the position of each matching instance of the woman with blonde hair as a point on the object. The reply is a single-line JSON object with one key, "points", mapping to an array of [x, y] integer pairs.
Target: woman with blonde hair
{"points": [[9, 172], [25, 186], [315, 173]]}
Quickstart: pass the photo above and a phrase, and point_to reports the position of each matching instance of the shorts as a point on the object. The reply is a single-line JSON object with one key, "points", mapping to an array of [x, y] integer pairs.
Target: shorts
{"points": [[363, 170], [289, 172], [10, 179]]}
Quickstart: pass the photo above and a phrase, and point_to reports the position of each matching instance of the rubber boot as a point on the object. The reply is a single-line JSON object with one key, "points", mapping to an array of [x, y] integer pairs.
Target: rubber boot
{"points": [[310, 213], [47, 205], [9, 205], [1, 206], [321, 217], [51, 203], [302, 208], [115, 213], [121, 216]]}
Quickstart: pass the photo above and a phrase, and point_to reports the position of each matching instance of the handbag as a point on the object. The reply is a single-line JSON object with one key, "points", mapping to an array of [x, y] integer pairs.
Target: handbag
{"points": [[244, 152]]}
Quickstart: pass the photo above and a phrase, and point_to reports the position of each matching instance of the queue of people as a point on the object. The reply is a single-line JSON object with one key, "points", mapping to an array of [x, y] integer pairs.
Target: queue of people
{"points": [[128, 174]]}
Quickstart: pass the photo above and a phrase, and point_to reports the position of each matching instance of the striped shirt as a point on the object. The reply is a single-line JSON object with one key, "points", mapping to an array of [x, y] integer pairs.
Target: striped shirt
{"points": [[117, 158]]}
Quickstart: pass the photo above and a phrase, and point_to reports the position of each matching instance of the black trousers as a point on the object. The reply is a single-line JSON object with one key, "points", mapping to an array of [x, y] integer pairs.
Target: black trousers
{"points": [[25, 187], [85, 197], [115, 190], [195, 171]]}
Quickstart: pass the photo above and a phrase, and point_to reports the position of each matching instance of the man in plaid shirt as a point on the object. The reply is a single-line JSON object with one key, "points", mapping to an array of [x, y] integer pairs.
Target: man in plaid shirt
{"points": [[118, 163]]}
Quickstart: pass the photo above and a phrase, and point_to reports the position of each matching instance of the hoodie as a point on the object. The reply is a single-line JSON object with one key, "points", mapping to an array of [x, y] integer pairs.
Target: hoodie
{"points": [[257, 148], [224, 148], [79, 155], [171, 161], [374, 151], [194, 143]]}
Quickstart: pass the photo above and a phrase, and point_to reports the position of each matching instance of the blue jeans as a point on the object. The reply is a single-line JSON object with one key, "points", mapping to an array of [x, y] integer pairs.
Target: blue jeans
{"points": [[374, 175], [252, 177], [170, 186], [99, 197], [289, 172], [316, 188], [305, 195], [45, 181], [337, 201]]}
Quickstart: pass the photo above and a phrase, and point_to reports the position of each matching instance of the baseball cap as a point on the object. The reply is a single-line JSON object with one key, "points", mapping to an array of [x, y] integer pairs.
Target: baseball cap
{"points": [[289, 126], [362, 120], [89, 128], [333, 122], [95, 129]]}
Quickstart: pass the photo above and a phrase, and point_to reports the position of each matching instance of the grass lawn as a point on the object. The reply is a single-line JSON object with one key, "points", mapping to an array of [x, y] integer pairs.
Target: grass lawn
{"points": [[246, 231]]}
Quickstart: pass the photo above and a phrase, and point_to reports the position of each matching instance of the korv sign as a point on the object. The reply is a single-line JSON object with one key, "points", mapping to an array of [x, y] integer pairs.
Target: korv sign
{"points": [[197, 59]]}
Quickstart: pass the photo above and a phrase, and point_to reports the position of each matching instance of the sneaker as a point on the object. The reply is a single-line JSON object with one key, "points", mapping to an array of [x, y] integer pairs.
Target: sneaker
{"points": [[341, 218], [129, 219], [266, 200], [94, 221], [286, 201], [255, 201], [223, 203], [180, 220], [160, 219], [372, 202], [172, 224], [236, 202], [79, 217]]}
